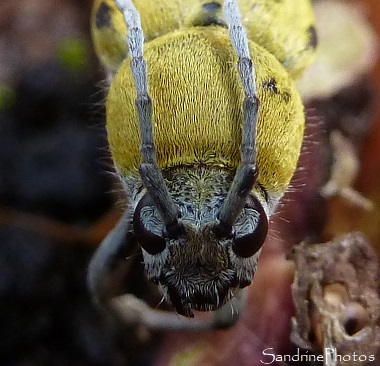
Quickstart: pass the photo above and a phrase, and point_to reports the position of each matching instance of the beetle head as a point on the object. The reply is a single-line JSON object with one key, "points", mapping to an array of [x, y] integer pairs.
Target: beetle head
{"points": [[197, 263]]}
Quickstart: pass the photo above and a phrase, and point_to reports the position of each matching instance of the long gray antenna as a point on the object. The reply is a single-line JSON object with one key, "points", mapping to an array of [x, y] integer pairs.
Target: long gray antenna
{"points": [[247, 172], [149, 170]]}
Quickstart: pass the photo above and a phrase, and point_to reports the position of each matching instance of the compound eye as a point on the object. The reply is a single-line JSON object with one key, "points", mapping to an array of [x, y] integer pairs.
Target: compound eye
{"points": [[247, 245], [143, 225]]}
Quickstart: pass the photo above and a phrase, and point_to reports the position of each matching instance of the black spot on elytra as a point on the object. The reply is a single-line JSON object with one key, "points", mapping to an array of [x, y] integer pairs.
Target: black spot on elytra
{"points": [[211, 7], [313, 38], [103, 16], [210, 15], [271, 85]]}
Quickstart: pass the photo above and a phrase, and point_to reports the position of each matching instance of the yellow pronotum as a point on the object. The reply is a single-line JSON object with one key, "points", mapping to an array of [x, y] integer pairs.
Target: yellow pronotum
{"points": [[197, 103]]}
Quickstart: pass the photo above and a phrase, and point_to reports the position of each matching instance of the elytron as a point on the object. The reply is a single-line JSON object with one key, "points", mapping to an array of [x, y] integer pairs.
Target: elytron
{"points": [[205, 127]]}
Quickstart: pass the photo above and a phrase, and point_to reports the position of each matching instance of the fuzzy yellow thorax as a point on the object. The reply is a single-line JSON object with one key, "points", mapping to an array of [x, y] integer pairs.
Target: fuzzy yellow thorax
{"points": [[197, 107]]}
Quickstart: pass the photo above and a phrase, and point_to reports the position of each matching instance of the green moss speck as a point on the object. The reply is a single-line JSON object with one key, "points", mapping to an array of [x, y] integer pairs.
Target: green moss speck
{"points": [[7, 97], [72, 54]]}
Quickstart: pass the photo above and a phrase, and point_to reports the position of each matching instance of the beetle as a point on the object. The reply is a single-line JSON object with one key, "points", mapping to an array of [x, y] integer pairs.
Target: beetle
{"points": [[205, 126]]}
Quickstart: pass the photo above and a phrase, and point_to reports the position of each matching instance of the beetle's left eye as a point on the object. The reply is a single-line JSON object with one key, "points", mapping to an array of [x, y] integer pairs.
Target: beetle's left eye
{"points": [[247, 245]]}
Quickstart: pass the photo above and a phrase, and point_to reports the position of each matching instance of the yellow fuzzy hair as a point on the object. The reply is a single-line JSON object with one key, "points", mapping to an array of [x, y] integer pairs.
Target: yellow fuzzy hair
{"points": [[197, 107]]}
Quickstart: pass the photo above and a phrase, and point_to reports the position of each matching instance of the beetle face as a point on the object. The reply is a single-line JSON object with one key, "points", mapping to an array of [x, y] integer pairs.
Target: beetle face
{"points": [[196, 264]]}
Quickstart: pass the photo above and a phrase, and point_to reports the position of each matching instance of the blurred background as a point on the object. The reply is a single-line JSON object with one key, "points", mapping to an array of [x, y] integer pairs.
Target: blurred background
{"points": [[58, 200], [55, 187]]}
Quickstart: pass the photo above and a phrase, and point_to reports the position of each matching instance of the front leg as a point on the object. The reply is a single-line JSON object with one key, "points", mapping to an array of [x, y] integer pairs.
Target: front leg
{"points": [[133, 310], [109, 263]]}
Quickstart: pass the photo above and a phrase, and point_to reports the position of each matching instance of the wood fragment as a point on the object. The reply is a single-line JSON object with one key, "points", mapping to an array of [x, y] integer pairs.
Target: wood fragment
{"points": [[337, 302]]}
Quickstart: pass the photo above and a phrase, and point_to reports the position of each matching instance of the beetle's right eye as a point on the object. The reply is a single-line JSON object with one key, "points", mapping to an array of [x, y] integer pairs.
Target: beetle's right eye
{"points": [[247, 245], [148, 238]]}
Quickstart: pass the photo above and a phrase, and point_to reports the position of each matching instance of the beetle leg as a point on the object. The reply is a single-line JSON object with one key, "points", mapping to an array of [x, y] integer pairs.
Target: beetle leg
{"points": [[135, 311], [104, 272], [229, 313]]}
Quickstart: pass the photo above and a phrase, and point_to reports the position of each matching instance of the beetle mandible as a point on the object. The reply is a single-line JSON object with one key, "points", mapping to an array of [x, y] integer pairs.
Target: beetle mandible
{"points": [[205, 127]]}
